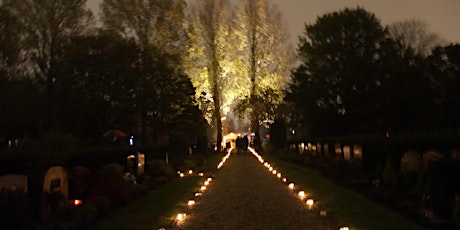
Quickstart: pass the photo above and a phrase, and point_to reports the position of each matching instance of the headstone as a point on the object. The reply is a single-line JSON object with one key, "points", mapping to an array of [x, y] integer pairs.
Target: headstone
{"points": [[13, 182], [430, 156], [411, 161], [338, 149], [346, 152], [357, 152], [56, 180]]}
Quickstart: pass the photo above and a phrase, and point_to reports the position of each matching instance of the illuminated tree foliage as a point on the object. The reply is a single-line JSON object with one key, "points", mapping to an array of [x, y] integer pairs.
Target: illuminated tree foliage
{"points": [[263, 58], [210, 59]]}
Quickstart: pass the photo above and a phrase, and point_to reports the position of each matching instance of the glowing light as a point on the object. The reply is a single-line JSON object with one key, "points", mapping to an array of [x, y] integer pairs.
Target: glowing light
{"points": [[190, 171], [291, 186], [270, 169], [181, 216], [181, 175], [285, 180], [203, 188], [200, 174], [301, 194], [323, 213], [310, 202], [198, 194], [191, 202], [274, 172], [77, 202], [344, 228], [206, 183], [209, 179], [278, 175]]}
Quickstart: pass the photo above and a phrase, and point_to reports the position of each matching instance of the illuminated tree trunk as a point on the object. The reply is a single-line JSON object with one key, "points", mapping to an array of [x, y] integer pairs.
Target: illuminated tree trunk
{"points": [[218, 116]]}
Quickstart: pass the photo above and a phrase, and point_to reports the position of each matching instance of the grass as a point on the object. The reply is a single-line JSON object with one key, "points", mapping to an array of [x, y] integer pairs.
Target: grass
{"points": [[158, 208], [346, 206]]}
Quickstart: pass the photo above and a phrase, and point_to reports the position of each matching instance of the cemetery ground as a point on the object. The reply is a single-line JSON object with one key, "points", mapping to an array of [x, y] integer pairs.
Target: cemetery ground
{"points": [[344, 207]]}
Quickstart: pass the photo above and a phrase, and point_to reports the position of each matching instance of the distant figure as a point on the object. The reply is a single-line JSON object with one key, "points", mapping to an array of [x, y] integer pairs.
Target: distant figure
{"points": [[245, 143], [239, 145]]}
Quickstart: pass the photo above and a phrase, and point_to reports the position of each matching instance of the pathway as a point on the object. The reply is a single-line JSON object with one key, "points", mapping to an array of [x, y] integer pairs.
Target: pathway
{"points": [[245, 195]]}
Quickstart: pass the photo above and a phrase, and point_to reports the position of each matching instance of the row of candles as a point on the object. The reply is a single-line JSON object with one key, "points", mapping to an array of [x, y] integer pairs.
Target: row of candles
{"points": [[180, 217], [310, 202]]}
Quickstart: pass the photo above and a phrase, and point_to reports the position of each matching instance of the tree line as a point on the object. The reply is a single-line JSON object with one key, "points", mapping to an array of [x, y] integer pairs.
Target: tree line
{"points": [[154, 66], [151, 67], [358, 76]]}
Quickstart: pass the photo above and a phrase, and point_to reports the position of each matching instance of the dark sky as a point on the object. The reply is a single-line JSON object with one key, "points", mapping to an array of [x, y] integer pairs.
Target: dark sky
{"points": [[442, 16]]}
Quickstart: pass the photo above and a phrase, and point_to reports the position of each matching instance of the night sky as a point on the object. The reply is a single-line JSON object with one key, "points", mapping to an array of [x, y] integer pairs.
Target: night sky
{"points": [[442, 16]]}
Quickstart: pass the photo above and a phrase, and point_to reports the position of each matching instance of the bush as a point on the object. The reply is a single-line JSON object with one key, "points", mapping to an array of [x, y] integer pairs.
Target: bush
{"points": [[110, 184], [159, 172]]}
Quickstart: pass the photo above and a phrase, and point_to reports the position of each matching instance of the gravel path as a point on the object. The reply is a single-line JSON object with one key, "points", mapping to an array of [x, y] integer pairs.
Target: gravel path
{"points": [[245, 195]]}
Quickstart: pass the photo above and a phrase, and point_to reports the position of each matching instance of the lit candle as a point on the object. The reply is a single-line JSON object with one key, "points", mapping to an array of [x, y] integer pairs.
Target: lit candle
{"points": [[278, 175], [200, 174], [344, 228], [285, 180], [190, 171], [206, 183], [310, 202], [203, 188], [181, 175], [191, 202], [181, 216], [301, 194], [291, 186]]}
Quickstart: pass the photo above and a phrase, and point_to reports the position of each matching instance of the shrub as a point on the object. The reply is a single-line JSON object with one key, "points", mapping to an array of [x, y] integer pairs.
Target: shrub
{"points": [[159, 172]]}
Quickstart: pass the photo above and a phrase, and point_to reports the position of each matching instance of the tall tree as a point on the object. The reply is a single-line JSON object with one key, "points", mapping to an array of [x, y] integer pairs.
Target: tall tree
{"points": [[96, 90], [415, 34], [45, 27], [209, 57], [150, 22], [444, 72], [342, 55], [263, 58], [157, 26]]}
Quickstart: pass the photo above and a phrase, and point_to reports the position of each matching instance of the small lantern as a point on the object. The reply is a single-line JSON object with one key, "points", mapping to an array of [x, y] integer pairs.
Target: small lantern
{"points": [[206, 183], [181, 216], [77, 203], [200, 174], [285, 180], [301, 194], [274, 172], [203, 188], [291, 186], [190, 171], [344, 228], [278, 175], [209, 179], [191, 202], [198, 194], [310, 203], [181, 175]]}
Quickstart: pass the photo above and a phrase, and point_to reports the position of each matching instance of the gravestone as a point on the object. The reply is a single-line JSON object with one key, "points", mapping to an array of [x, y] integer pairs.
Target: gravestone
{"points": [[56, 180], [13, 182]]}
